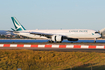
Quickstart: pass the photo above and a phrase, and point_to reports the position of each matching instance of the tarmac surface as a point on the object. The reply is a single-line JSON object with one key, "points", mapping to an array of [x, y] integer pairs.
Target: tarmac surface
{"points": [[100, 42], [53, 49], [64, 43], [57, 49]]}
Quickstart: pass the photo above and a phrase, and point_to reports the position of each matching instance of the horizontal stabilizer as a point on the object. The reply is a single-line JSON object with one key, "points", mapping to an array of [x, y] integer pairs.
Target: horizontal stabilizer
{"points": [[13, 29]]}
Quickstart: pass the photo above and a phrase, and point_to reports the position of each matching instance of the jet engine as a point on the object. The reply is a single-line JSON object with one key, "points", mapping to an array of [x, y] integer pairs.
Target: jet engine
{"points": [[57, 38]]}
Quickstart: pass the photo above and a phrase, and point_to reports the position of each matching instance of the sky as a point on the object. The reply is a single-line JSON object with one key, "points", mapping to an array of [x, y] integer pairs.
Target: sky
{"points": [[53, 14]]}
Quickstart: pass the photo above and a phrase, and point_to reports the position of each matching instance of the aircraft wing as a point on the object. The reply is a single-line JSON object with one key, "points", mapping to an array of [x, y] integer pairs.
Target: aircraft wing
{"points": [[44, 34]]}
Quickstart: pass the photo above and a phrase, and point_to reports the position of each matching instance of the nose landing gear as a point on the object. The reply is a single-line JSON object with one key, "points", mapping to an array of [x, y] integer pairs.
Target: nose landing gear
{"points": [[95, 40]]}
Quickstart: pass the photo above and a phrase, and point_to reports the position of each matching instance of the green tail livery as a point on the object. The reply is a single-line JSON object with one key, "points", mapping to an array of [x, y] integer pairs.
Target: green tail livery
{"points": [[18, 26]]}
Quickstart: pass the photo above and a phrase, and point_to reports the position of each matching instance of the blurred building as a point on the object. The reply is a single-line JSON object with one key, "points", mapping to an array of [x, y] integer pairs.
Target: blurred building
{"points": [[6, 34], [102, 32], [9, 34]]}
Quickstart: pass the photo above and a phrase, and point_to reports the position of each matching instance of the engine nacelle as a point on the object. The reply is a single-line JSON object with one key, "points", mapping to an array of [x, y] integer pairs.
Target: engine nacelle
{"points": [[72, 39], [57, 38]]}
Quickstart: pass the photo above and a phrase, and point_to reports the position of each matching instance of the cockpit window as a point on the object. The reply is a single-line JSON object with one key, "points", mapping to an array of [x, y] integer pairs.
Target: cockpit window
{"points": [[96, 32]]}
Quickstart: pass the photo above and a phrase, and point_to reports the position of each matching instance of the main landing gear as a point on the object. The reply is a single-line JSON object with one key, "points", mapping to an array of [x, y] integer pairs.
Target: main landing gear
{"points": [[50, 41], [55, 41]]}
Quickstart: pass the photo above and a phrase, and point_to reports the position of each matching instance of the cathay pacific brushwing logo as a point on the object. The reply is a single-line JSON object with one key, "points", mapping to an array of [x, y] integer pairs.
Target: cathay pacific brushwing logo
{"points": [[92, 33], [18, 26]]}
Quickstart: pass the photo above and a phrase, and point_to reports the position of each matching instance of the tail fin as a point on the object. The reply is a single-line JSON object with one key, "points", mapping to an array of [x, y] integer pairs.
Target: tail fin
{"points": [[17, 25]]}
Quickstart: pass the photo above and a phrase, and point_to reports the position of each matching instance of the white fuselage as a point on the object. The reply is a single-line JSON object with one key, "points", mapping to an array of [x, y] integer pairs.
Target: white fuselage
{"points": [[70, 33]]}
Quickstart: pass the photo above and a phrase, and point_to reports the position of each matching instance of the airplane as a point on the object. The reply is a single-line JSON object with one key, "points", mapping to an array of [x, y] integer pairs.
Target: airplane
{"points": [[55, 35]]}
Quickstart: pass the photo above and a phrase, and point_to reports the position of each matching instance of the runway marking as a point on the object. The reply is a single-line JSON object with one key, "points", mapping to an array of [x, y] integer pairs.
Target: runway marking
{"points": [[35, 46], [54, 46], [92, 46], [20, 45], [6, 45], [41, 46], [13, 45], [77, 46], [100, 47], [69, 46], [62, 46], [48, 46], [84, 46], [27, 45], [1, 45]]}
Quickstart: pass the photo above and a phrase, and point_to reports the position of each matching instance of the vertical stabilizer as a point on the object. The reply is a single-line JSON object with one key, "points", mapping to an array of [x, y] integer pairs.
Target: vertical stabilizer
{"points": [[17, 25]]}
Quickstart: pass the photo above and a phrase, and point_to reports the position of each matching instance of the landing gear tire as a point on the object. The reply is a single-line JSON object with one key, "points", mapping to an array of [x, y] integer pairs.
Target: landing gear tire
{"points": [[53, 41], [50, 41], [59, 42]]}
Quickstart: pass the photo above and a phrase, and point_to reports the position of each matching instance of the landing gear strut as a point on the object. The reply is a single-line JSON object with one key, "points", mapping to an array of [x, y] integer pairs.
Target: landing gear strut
{"points": [[51, 41], [59, 42]]}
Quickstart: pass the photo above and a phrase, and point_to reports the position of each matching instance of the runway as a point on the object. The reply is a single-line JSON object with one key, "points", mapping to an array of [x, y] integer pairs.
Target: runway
{"points": [[53, 49], [45, 46]]}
